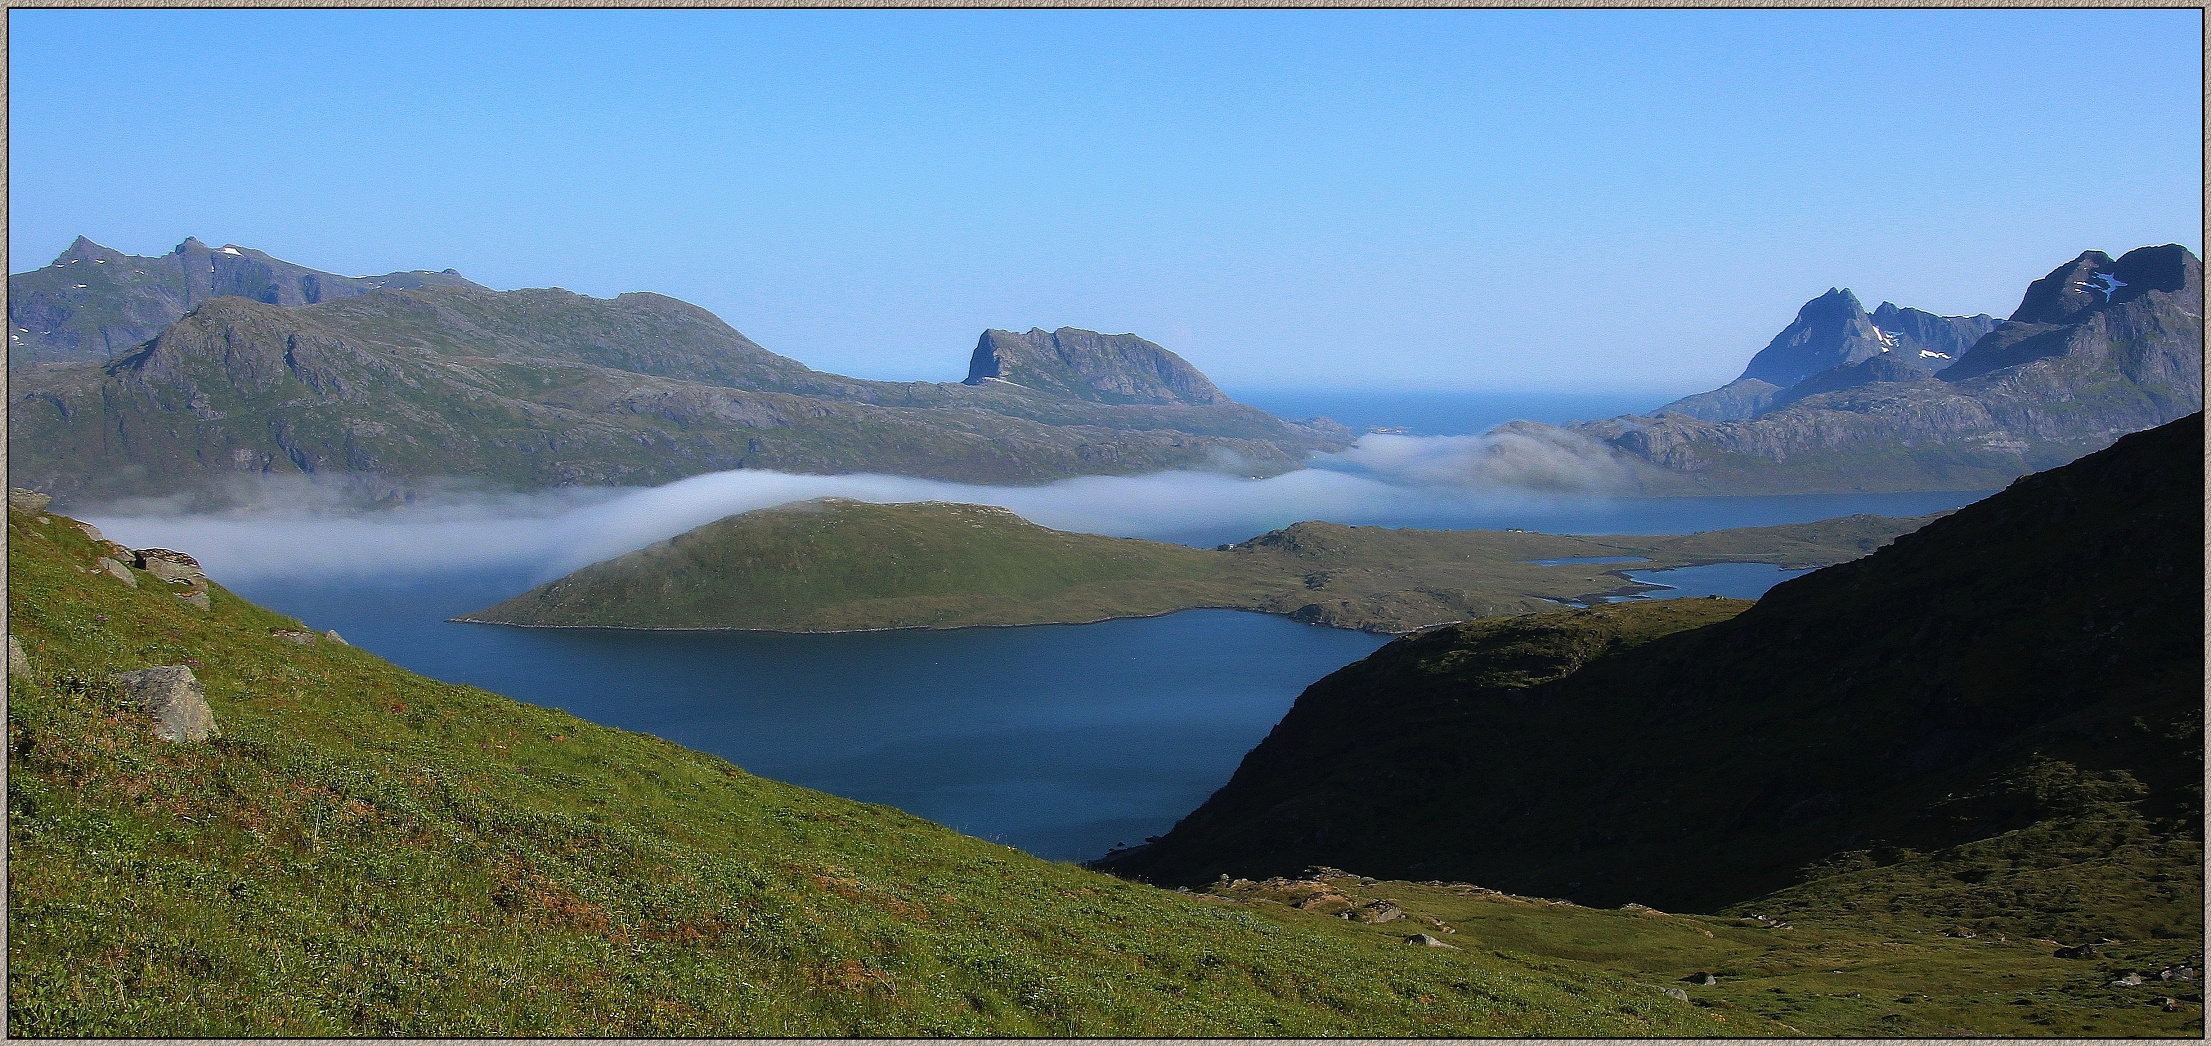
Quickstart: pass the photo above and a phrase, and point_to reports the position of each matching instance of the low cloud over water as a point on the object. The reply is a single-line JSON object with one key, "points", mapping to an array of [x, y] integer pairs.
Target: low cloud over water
{"points": [[295, 526]]}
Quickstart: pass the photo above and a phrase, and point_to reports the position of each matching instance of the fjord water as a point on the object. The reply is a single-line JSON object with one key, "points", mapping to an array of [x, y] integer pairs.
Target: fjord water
{"points": [[1061, 740]]}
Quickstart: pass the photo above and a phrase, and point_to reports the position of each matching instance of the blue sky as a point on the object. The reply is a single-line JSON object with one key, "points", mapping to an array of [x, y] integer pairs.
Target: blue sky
{"points": [[1510, 200]]}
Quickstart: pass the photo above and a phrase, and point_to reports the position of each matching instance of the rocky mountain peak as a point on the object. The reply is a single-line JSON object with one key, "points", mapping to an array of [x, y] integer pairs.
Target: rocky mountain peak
{"points": [[2096, 281], [191, 243], [1830, 331], [82, 249], [1087, 365]]}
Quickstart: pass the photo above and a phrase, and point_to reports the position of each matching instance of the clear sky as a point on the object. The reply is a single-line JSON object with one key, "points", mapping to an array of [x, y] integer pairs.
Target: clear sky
{"points": [[1556, 200]]}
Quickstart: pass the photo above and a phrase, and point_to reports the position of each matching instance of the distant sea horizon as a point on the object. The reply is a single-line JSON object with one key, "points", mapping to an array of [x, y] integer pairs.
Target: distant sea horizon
{"points": [[1446, 412]]}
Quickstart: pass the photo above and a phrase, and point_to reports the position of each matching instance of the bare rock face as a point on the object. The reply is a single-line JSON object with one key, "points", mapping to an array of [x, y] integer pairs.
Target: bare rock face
{"points": [[23, 500], [1086, 365], [175, 698]]}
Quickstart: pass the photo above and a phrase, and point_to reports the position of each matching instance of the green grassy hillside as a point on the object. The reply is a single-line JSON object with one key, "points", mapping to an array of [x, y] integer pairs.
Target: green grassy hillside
{"points": [[834, 565], [366, 851], [1995, 721]]}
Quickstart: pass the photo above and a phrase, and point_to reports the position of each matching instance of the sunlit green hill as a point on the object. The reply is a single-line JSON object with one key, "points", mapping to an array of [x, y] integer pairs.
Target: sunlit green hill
{"points": [[834, 564]]}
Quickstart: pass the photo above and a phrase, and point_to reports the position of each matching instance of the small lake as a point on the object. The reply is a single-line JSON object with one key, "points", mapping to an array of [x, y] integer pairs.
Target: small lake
{"points": [[1733, 580]]}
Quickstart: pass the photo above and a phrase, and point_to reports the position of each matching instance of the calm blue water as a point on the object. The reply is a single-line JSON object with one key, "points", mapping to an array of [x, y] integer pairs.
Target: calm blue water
{"points": [[1064, 741], [1733, 580]]}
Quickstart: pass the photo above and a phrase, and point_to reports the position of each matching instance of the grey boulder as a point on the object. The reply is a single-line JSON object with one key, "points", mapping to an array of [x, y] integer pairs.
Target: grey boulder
{"points": [[175, 698], [118, 571]]}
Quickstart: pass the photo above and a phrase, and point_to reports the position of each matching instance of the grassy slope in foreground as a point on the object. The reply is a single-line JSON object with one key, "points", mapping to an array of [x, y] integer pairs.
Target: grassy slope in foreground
{"points": [[832, 565], [366, 851]]}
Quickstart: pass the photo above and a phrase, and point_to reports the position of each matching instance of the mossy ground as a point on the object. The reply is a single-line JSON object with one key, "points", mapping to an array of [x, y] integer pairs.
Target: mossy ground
{"points": [[1819, 974]]}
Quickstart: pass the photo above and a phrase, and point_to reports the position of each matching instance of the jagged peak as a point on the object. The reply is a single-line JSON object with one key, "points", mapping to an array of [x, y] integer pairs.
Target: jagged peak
{"points": [[83, 249]]}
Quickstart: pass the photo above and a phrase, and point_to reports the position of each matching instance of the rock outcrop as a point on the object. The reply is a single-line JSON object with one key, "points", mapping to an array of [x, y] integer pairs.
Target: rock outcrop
{"points": [[19, 664], [179, 570], [1086, 365], [169, 564], [173, 694]]}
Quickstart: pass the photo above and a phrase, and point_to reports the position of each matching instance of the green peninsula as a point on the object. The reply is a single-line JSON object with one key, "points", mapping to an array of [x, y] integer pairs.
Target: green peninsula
{"points": [[836, 565]]}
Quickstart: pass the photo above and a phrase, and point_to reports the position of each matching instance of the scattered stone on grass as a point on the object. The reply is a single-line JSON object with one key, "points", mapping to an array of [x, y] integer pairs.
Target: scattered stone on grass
{"points": [[175, 698], [118, 571], [1375, 912], [1676, 993], [1702, 978], [2078, 951], [18, 664], [333, 636], [1432, 942], [293, 635], [2132, 980]]}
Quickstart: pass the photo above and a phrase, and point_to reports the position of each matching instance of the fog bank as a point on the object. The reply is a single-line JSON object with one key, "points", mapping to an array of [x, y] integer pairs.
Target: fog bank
{"points": [[301, 526]]}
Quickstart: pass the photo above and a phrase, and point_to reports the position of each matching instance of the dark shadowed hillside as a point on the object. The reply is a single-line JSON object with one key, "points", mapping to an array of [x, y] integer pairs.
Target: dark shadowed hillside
{"points": [[1998, 715]]}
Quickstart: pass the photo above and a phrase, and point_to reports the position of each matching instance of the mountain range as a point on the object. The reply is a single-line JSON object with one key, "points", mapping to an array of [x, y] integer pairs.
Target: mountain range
{"points": [[1830, 335], [400, 384], [179, 374], [95, 303], [1844, 400]]}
